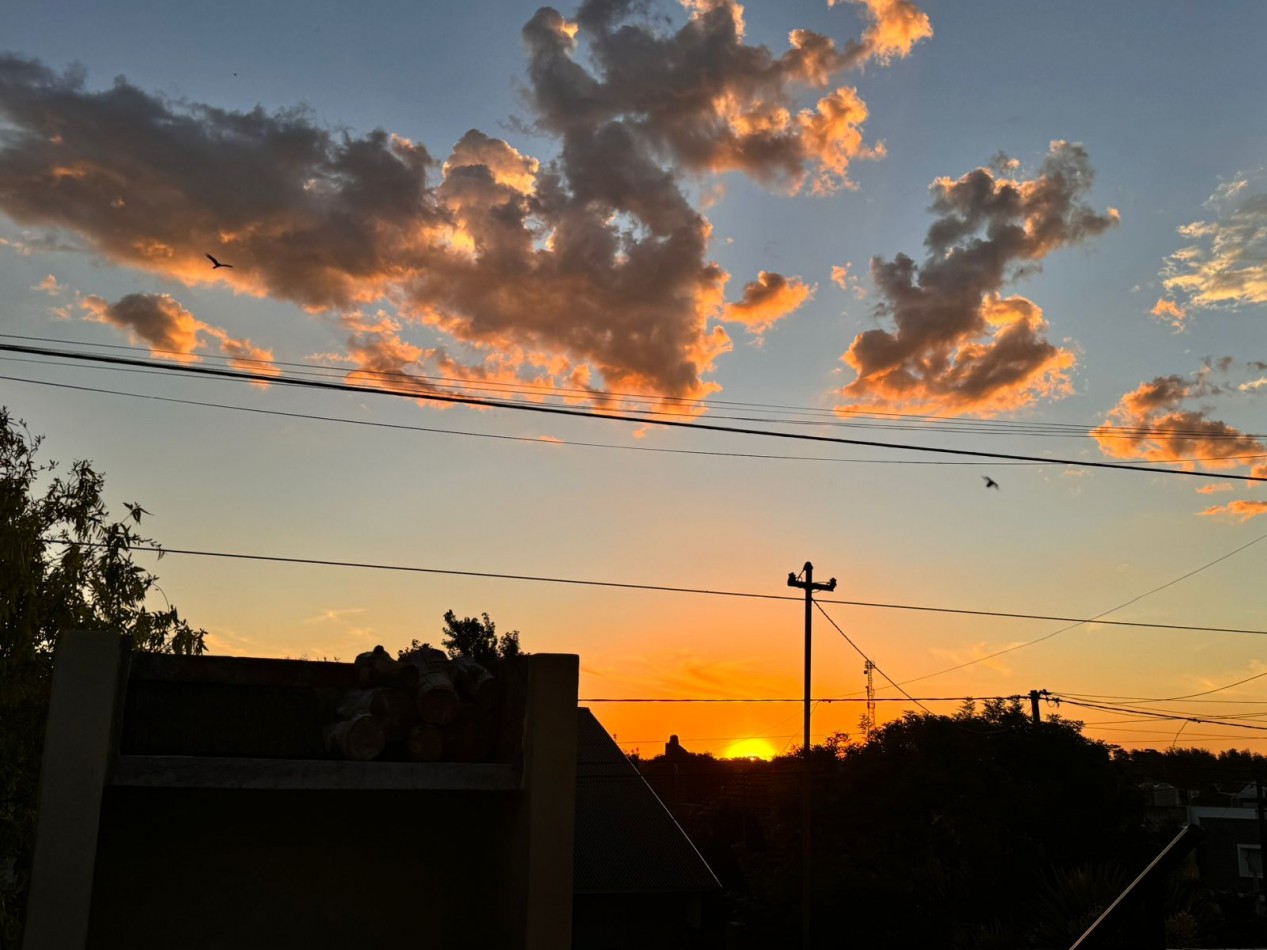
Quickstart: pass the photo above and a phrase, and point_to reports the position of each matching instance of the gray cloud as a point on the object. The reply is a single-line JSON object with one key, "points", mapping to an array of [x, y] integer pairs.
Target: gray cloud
{"points": [[592, 269], [172, 332], [957, 345], [706, 99]]}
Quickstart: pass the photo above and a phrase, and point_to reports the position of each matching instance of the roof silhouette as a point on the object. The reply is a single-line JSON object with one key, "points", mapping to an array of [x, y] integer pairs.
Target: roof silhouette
{"points": [[626, 840]]}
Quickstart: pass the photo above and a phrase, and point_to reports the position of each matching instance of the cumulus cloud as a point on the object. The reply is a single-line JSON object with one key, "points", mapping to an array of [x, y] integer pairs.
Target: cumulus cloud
{"points": [[958, 345], [895, 26], [158, 320], [766, 300], [174, 333], [1156, 422], [706, 99], [1239, 510], [1226, 265], [588, 271]]}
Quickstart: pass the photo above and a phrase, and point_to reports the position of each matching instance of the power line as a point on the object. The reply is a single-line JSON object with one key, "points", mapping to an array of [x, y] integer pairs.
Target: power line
{"points": [[1140, 699], [492, 435], [622, 585], [974, 425], [1171, 699], [1095, 619], [1176, 717], [1146, 699], [516, 438], [1217, 689], [210, 371], [1166, 732], [872, 662], [96, 390], [825, 699]]}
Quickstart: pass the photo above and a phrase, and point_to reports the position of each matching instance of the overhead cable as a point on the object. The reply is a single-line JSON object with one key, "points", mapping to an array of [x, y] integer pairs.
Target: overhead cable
{"points": [[251, 377], [621, 585], [846, 418], [1098, 618], [499, 436], [1176, 717], [858, 650]]}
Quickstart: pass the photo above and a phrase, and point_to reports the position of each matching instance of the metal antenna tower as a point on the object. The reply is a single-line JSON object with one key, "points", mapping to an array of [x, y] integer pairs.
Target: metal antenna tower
{"points": [[867, 668]]}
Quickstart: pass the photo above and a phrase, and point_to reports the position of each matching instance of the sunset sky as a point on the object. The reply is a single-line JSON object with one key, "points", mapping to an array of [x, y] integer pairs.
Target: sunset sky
{"points": [[1030, 229]]}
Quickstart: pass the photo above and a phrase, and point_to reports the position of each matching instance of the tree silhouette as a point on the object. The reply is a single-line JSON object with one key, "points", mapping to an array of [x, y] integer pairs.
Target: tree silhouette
{"points": [[64, 564], [933, 831], [474, 638]]}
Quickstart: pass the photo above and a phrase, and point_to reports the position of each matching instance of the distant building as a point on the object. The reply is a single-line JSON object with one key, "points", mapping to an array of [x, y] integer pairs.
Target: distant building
{"points": [[1230, 856]]}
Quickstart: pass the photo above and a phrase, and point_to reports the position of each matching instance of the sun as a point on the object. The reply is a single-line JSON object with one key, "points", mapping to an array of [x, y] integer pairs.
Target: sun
{"points": [[750, 749]]}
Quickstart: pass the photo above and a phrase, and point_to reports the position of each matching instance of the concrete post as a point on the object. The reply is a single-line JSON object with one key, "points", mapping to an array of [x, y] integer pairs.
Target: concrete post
{"points": [[79, 746], [549, 778]]}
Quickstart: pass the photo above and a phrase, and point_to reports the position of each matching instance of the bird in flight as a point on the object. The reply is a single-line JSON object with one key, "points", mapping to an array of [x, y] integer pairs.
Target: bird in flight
{"points": [[135, 510], [990, 482], [215, 263]]}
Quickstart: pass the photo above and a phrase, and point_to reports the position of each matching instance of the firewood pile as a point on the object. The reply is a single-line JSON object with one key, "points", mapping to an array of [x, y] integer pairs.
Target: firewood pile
{"points": [[424, 707]]}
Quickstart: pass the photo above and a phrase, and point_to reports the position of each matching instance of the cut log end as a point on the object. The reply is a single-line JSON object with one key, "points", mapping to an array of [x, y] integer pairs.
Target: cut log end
{"points": [[360, 738], [425, 743]]}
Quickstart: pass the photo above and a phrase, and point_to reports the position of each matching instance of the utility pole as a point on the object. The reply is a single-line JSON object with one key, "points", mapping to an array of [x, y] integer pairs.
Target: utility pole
{"points": [[1033, 706], [809, 587]]}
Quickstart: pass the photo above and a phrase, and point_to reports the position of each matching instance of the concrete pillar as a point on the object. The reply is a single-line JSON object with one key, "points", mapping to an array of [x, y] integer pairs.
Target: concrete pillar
{"points": [[79, 747], [549, 779]]}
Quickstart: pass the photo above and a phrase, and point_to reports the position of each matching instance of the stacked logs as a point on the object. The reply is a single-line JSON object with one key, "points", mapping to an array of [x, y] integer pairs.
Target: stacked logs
{"points": [[424, 707]]}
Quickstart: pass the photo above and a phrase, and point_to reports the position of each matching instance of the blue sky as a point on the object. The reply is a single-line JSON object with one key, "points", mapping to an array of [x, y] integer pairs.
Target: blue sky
{"points": [[1164, 106]]}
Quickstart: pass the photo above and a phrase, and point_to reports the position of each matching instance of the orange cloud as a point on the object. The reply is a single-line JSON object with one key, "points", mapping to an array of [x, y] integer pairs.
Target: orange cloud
{"points": [[1214, 488], [958, 345], [841, 277], [832, 136], [1239, 509], [705, 97], [1150, 423], [50, 286], [1169, 310], [506, 165], [170, 331], [173, 333], [766, 300], [593, 266], [896, 26], [376, 349], [245, 355]]}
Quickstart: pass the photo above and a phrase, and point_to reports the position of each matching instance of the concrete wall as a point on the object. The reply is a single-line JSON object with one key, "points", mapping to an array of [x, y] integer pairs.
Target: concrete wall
{"points": [[160, 851], [214, 868]]}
